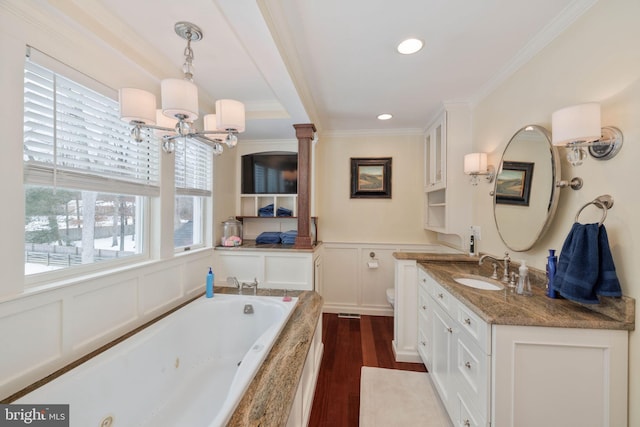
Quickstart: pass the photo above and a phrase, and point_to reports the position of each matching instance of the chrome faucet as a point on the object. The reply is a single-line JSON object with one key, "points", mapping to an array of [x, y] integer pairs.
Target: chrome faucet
{"points": [[253, 285], [233, 281], [506, 260]]}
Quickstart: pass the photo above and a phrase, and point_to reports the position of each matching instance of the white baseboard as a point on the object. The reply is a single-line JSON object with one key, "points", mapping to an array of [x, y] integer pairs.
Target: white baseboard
{"points": [[405, 355], [362, 310]]}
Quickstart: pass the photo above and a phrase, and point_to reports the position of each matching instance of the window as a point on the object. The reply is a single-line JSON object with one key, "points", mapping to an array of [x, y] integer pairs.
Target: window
{"points": [[193, 177], [87, 183]]}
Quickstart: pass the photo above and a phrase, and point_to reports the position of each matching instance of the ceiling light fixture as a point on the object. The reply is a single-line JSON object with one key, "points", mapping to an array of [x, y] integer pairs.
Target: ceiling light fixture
{"points": [[409, 46], [384, 116], [180, 107]]}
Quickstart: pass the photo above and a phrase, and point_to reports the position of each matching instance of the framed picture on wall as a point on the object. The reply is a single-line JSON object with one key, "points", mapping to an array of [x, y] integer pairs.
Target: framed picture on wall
{"points": [[371, 178], [513, 186]]}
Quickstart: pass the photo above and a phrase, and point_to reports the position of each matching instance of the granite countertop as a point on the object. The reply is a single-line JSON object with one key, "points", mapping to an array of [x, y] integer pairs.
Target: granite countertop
{"points": [[252, 245], [507, 308], [268, 399]]}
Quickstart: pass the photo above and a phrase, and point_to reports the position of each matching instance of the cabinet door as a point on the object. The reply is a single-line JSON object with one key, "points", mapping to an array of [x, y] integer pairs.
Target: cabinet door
{"points": [[436, 154], [443, 357]]}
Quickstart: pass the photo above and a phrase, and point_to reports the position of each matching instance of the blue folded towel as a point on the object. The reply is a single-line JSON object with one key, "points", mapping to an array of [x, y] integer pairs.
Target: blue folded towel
{"points": [[268, 237], [289, 237], [266, 210], [284, 212], [586, 268]]}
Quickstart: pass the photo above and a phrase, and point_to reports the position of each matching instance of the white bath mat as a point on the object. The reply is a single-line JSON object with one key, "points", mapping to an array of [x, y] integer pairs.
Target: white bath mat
{"points": [[394, 398]]}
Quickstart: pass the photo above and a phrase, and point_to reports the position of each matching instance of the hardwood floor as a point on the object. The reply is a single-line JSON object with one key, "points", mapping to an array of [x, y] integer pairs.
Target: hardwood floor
{"points": [[350, 344]]}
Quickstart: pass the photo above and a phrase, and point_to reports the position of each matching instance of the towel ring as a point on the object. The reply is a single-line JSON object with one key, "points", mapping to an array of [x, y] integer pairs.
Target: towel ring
{"points": [[604, 202]]}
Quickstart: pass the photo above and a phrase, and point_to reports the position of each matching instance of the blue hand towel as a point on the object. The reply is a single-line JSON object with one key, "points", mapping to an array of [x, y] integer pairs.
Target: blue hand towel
{"points": [[585, 268], [608, 283], [268, 237]]}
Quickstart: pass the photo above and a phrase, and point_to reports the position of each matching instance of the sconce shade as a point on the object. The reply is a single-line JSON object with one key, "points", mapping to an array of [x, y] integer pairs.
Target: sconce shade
{"points": [[230, 115], [475, 163], [179, 98], [576, 123], [137, 105]]}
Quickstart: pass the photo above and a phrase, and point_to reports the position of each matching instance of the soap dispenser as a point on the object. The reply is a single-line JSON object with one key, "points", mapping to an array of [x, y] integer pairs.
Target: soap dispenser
{"points": [[524, 284]]}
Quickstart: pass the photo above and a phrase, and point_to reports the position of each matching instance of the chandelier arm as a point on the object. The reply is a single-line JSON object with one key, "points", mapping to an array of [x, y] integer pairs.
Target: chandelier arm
{"points": [[148, 126], [206, 140]]}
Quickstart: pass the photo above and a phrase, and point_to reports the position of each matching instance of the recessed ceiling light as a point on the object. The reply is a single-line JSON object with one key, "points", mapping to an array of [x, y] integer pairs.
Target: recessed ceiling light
{"points": [[409, 46], [385, 116]]}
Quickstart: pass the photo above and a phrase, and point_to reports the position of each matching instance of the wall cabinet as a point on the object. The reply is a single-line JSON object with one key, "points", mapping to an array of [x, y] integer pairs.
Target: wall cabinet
{"points": [[447, 190]]}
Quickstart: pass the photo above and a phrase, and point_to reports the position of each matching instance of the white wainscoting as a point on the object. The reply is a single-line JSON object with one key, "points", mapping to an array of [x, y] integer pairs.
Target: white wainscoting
{"points": [[46, 329], [350, 286]]}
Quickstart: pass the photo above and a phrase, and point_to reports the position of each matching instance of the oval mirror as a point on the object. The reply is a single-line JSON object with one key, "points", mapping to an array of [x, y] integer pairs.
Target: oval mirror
{"points": [[525, 196]]}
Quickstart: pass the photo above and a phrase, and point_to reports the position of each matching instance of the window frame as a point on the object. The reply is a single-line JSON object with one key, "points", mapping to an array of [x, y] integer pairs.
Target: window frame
{"points": [[45, 174]]}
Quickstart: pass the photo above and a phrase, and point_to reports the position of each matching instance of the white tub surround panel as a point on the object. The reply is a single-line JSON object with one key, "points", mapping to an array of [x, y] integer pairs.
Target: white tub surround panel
{"points": [[100, 312], [49, 327], [162, 286], [32, 339]]}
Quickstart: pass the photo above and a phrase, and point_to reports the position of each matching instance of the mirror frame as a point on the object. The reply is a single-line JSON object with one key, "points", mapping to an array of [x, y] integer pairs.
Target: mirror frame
{"points": [[555, 190]]}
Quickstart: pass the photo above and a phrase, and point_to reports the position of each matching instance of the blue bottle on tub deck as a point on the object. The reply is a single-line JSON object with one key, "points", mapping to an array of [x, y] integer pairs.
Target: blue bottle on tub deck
{"points": [[210, 284], [552, 263]]}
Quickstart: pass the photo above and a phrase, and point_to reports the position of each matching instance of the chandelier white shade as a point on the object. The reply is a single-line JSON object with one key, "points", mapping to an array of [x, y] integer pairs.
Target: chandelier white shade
{"points": [[180, 108], [137, 105], [578, 123], [179, 99], [230, 115]]}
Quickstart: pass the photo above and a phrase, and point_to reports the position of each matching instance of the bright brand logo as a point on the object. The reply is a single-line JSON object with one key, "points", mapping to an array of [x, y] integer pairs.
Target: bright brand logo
{"points": [[34, 415]]}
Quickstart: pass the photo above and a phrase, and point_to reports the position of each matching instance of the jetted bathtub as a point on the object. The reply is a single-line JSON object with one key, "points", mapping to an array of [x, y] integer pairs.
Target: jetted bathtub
{"points": [[190, 368]]}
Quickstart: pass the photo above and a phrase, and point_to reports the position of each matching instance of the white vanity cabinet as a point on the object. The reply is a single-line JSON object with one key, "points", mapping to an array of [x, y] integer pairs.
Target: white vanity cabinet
{"points": [[458, 357], [504, 375], [559, 377]]}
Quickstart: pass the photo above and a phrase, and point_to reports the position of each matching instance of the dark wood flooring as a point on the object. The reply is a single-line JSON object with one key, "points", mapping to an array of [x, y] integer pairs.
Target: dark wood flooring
{"points": [[350, 344]]}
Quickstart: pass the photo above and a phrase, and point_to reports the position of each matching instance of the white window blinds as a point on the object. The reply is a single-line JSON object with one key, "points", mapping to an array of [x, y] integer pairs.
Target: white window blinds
{"points": [[74, 138], [193, 168]]}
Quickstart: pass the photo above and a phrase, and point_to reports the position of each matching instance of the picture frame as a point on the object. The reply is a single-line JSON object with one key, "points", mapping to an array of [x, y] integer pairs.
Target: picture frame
{"points": [[513, 184], [371, 178]]}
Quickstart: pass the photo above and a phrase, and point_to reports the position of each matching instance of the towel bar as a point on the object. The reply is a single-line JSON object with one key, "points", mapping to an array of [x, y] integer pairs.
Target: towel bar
{"points": [[604, 202]]}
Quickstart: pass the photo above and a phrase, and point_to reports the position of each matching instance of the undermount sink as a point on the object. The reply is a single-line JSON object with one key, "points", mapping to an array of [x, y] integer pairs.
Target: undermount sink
{"points": [[479, 282]]}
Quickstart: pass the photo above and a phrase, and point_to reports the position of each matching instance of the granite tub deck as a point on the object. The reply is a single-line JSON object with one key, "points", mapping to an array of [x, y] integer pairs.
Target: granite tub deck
{"points": [[507, 308], [268, 400]]}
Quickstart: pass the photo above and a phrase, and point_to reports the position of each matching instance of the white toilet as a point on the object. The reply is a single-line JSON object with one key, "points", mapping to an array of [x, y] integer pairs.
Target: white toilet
{"points": [[391, 296]]}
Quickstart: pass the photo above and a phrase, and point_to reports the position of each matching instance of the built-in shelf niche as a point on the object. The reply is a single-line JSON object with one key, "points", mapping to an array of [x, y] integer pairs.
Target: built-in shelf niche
{"points": [[250, 204]]}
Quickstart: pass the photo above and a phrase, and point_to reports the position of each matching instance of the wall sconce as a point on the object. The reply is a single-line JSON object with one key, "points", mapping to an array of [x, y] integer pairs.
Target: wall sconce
{"points": [[579, 126], [475, 164]]}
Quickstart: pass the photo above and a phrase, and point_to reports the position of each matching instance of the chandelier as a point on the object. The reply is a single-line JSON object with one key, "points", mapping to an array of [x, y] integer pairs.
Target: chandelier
{"points": [[180, 107]]}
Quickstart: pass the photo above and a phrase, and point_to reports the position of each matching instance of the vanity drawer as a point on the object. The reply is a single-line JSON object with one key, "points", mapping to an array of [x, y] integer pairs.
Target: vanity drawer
{"points": [[424, 280], [477, 328], [441, 296], [466, 416], [472, 367]]}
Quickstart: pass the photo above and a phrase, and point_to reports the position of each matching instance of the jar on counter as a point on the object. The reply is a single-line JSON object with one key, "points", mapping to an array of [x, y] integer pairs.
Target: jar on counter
{"points": [[231, 232]]}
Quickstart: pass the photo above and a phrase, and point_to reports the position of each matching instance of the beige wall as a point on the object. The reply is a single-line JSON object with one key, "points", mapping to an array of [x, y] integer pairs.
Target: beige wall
{"points": [[395, 220], [596, 59]]}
